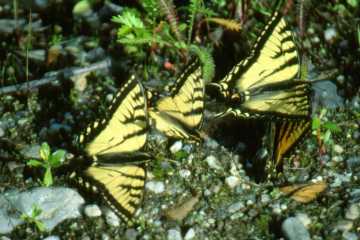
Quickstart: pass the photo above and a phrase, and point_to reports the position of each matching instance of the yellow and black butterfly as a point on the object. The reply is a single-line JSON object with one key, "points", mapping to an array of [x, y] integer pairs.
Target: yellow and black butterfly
{"points": [[180, 115], [117, 168], [263, 84]]}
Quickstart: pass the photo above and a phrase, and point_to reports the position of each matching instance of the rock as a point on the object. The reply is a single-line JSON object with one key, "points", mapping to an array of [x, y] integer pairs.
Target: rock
{"points": [[344, 225], [112, 219], [211, 143], [355, 195], [350, 236], [2, 132], [31, 152], [213, 162], [235, 207], [304, 218], [131, 234], [82, 8], [352, 212], [53, 237], [330, 34], [56, 204], [155, 187], [8, 26], [174, 234], [177, 146], [95, 55], [353, 162], [232, 181], [92, 210], [293, 229], [184, 173], [190, 234], [338, 149]]}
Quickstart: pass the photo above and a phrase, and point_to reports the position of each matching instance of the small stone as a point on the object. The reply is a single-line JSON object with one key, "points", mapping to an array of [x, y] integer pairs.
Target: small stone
{"points": [[131, 234], [353, 212], [155, 187], [177, 146], [330, 34], [338, 149], [235, 207], [355, 195], [350, 236], [92, 210], [265, 198], [213, 162], [112, 219], [174, 234], [293, 229], [184, 173], [104, 236], [353, 162], [53, 237], [303, 218], [344, 225], [211, 143], [232, 181], [190, 234]]}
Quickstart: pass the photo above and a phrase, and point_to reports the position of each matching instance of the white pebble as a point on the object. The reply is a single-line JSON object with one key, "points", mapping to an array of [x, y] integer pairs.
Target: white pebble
{"points": [[232, 181], [92, 210], [53, 237], [213, 162], [177, 146], [174, 234], [112, 219], [184, 173], [330, 34], [190, 234], [235, 207], [338, 149], [304, 218], [353, 212], [155, 187]]}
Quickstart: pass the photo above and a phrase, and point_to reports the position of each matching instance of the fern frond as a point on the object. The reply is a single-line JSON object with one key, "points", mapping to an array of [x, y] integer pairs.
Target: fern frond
{"points": [[193, 8], [168, 9], [229, 24], [206, 60]]}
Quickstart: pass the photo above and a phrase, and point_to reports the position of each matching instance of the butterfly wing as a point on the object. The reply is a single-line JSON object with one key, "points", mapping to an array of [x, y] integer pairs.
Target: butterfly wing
{"points": [[181, 114], [124, 129]]}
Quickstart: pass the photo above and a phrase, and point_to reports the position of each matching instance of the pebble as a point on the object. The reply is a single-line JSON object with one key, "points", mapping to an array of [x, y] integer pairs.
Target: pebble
{"points": [[353, 162], [338, 149], [293, 229], [104, 236], [155, 187], [112, 219], [213, 162], [344, 225], [190, 234], [131, 234], [92, 210], [350, 236], [184, 173], [211, 143], [265, 198], [232, 181], [330, 34], [303, 218], [52, 237], [352, 212], [177, 146], [235, 207], [355, 195], [174, 234]]}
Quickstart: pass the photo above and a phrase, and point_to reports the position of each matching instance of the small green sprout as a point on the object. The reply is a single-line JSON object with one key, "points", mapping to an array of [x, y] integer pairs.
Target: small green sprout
{"points": [[324, 129], [48, 161], [35, 212]]}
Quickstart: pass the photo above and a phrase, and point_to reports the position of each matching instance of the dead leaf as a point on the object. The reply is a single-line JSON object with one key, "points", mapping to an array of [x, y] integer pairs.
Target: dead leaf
{"points": [[304, 193], [179, 212]]}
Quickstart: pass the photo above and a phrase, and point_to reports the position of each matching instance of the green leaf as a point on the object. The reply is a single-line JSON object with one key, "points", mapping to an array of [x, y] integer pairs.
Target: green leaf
{"points": [[45, 151], [327, 136], [57, 158], [332, 127], [180, 155], [316, 123], [353, 3], [48, 179], [35, 163], [40, 225]]}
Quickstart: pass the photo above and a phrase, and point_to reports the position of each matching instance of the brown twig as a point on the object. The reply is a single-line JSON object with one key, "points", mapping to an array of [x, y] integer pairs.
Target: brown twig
{"points": [[53, 78]]}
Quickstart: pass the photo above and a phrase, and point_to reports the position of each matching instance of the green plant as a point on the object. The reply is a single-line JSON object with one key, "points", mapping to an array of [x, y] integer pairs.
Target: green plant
{"points": [[161, 29], [48, 161], [32, 218], [324, 129]]}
